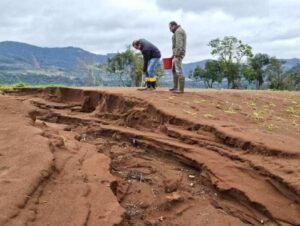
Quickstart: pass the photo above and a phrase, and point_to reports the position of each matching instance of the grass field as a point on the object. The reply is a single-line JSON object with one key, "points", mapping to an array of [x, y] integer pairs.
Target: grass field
{"points": [[24, 85]]}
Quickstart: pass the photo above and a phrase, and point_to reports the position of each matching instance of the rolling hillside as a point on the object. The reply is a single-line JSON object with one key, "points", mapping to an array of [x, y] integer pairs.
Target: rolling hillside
{"points": [[68, 58], [21, 62]]}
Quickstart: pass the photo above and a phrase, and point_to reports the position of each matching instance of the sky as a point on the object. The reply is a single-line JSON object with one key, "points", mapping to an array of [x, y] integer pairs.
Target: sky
{"points": [[108, 26]]}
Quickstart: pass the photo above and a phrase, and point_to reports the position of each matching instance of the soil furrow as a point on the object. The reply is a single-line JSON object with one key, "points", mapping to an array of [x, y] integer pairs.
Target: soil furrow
{"points": [[167, 168]]}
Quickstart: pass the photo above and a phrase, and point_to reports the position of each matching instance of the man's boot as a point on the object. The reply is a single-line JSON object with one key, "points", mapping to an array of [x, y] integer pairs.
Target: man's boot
{"points": [[149, 85], [181, 85], [175, 81], [154, 85]]}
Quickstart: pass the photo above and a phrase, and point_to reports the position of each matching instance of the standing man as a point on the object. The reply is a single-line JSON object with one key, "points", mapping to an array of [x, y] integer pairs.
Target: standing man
{"points": [[151, 55], [179, 49]]}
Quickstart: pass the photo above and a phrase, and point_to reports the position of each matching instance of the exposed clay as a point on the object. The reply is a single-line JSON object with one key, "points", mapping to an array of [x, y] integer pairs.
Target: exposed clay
{"points": [[168, 169]]}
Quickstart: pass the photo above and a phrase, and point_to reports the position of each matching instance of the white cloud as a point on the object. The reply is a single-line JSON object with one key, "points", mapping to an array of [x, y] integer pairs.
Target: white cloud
{"points": [[238, 8], [108, 26]]}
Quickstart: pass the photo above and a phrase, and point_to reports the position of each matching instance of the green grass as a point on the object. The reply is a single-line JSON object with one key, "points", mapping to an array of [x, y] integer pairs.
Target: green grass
{"points": [[259, 115], [24, 85], [230, 111], [291, 110], [12, 86], [252, 104], [270, 127]]}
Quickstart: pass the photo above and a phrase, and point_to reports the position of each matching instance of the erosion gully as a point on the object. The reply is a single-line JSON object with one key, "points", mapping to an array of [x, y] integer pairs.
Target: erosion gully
{"points": [[167, 170]]}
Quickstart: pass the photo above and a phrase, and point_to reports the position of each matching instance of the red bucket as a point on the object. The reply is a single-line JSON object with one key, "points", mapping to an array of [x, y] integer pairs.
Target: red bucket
{"points": [[167, 63]]}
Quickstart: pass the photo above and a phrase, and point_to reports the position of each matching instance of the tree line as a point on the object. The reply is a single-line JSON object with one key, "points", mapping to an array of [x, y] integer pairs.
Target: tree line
{"points": [[236, 62]]}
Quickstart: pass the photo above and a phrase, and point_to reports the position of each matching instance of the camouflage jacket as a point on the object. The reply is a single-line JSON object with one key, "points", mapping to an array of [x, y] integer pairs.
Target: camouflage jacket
{"points": [[179, 42]]}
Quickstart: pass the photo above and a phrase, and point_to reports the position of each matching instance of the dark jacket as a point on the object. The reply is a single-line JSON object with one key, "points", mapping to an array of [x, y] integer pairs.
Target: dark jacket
{"points": [[149, 52], [179, 42]]}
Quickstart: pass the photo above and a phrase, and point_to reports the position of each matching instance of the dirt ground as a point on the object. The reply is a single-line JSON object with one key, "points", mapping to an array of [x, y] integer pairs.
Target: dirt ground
{"points": [[116, 156]]}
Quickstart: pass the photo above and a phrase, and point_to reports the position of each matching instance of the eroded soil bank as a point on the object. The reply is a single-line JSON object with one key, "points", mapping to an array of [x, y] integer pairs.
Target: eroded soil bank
{"points": [[125, 157]]}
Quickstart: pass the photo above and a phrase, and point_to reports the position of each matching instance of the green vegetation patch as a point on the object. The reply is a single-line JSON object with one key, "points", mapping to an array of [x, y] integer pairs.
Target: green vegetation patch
{"points": [[24, 85]]}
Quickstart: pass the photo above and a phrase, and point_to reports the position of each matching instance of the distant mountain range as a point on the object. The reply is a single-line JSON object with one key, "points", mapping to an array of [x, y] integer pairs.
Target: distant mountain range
{"points": [[68, 58], [290, 63], [191, 66], [20, 62]]}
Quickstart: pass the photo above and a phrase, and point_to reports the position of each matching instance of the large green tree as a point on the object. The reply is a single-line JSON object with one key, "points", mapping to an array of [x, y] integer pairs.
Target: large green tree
{"points": [[275, 75], [128, 66], [293, 78], [211, 74], [231, 53], [92, 74], [122, 65], [255, 71]]}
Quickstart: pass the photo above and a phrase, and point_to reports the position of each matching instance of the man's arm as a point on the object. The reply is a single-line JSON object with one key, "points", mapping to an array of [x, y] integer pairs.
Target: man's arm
{"points": [[180, 36]]}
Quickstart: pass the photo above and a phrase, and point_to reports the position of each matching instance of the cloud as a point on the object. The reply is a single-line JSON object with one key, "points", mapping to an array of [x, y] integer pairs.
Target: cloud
{"points": [[108, 26], [237, 8]]}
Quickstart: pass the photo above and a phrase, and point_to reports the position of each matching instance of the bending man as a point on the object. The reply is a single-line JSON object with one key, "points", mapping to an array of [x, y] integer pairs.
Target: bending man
{"points": [[151, 55]]}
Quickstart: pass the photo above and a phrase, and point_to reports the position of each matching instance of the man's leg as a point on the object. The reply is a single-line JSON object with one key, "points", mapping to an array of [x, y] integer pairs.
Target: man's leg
{"points": [[150, 71], [179, 73], [175, 77], [181, 83]]}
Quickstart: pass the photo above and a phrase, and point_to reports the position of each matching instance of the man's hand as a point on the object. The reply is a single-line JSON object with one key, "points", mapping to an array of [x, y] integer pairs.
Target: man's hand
{"points": [[143, 82], [174, 60]]}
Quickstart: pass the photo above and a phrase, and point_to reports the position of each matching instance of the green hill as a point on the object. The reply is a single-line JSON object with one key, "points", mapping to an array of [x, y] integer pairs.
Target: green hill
{"points": [[20, 62]]}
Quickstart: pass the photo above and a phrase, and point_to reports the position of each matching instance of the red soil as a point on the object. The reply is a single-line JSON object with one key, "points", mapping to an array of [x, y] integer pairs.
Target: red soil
{"points": [[127, 157]]}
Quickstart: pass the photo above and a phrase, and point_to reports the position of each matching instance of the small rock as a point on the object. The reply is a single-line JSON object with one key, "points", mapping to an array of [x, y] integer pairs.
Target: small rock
{"points": [[116, 136], [144, 205], [68, 128], [53, 119], [192, 176], [135, 175], [175, 196], [161, 218], [192, 184], [39, 123], [82, 137]]}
